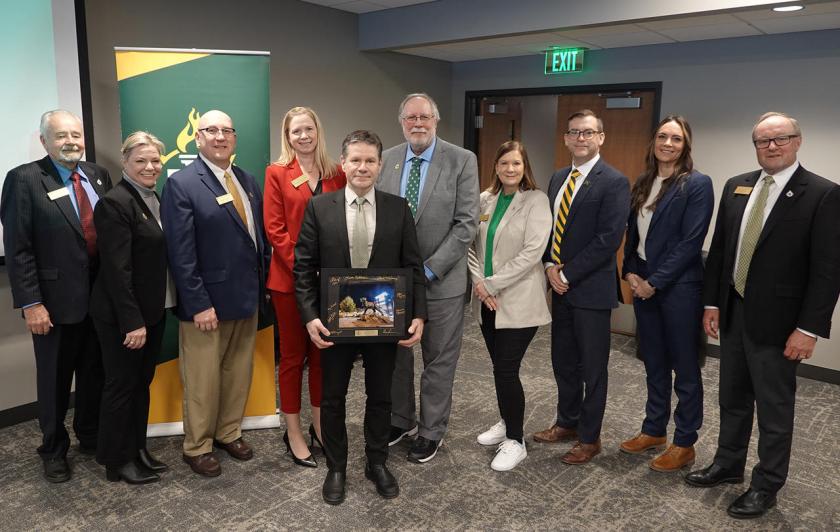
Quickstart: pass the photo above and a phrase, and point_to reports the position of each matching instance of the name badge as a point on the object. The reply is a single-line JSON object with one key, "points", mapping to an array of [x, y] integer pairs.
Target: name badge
{"points": [[59, 193], [484, 218], [226, 198], [300, 180], [743, 191]]}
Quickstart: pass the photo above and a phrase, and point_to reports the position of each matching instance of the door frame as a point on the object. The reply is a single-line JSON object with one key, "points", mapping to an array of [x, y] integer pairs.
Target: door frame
{"points": [[472, 99]]}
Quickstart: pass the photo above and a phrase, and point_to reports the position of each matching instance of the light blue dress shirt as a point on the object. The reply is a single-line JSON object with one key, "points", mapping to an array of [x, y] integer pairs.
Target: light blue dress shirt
{"points": [[64, 174], [426, 159]]}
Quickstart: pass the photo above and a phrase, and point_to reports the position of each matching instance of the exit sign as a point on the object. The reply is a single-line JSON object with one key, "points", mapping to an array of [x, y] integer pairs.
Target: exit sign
{"points": [[563, 60]]}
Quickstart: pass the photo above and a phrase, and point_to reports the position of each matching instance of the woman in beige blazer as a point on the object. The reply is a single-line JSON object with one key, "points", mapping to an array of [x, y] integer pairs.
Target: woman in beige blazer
{"points": [[509, 288]]}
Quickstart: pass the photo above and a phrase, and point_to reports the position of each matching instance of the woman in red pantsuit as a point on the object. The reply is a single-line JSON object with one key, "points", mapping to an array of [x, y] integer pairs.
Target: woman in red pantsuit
{"points": [[303, 170]]}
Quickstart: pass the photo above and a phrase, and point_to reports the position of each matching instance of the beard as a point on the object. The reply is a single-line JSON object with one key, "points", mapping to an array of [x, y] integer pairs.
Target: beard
{"points": [[70, 155]]}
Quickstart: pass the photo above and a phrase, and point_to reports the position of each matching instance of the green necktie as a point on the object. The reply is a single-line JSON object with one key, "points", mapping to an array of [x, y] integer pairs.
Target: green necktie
{"points": [[752, 231], [412, 189], [359, 257], [562, 214]]}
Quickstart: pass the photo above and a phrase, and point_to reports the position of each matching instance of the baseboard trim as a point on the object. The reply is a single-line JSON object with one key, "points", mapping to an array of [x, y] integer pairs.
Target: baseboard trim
{"points": [[808, 371], [21, 413]]}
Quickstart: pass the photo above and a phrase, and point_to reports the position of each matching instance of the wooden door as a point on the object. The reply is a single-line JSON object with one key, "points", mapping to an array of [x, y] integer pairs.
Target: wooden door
{"points": [[500, 121], [627, 134]]}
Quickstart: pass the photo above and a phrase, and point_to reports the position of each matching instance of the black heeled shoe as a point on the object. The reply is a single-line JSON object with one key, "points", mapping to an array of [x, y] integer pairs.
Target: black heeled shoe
{"points": [[131, 472], [151, 462], [313, 438], [309, 461]]}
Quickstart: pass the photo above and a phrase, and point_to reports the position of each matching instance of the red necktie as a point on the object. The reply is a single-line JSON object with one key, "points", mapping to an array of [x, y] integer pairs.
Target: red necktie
{"points": [[85, 214]]}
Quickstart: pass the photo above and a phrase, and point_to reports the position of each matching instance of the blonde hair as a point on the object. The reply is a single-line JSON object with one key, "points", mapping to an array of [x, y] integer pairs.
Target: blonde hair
{"points": [[326, 167], [140, 138]]}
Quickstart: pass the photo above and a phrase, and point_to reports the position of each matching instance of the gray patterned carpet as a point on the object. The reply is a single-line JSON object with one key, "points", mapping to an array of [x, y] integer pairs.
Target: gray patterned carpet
{"points": [[455, 491]]}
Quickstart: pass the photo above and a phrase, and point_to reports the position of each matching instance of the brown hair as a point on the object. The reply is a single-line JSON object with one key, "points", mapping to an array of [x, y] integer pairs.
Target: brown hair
{"points": [[584, 113], [527, 182], [683, 167], [365, 137]]}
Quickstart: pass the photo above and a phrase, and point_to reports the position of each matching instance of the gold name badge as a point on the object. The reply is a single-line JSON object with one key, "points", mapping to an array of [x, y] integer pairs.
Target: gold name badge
{"points": [[60, 193], [483, 217], [297, 182], [367, 332], [743, 191], [225, 198]]}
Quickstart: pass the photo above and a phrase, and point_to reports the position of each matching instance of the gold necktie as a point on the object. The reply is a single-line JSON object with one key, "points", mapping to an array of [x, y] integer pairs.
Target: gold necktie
{"points": [[562, 214], [752, 231], [359, 257], [237, 199]]}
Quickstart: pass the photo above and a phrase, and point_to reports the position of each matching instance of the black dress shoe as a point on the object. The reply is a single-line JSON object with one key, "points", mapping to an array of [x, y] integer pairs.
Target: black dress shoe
{"points": [[712, 476], [150, 462], [333, 490], [753, 503], [57, 470], [386, 484], [131, 472], [309, 461]]}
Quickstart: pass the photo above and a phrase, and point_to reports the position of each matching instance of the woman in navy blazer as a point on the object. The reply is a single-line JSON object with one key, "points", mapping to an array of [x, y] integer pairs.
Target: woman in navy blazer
{"points": [[671, 207]]}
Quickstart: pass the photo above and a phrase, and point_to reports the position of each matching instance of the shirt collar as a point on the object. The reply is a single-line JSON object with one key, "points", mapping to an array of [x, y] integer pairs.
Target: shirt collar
{"points": [[781, 178], [64, 173], [217, 171], [426, 155], [350, 196], [586, 167]]}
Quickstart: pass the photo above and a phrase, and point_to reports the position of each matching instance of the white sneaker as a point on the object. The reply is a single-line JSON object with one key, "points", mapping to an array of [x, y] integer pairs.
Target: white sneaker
{"points": [[508, 456], [494, 435]]}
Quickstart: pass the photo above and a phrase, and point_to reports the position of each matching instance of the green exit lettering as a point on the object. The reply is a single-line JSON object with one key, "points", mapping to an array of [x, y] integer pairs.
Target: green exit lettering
{"points": [[561, 61]]}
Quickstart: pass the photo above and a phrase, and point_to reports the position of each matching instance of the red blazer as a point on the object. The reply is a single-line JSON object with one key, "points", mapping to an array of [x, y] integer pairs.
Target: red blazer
{"points": [[283, 207]]}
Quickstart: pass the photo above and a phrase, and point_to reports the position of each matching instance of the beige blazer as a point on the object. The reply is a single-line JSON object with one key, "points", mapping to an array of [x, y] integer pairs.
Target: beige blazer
{"points": [[518, 282]]}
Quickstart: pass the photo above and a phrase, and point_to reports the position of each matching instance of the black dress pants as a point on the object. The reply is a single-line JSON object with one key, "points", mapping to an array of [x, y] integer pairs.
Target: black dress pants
{"points": [[336, 367], [65, 350], [125, 397], [507, 349], [754, 377]]}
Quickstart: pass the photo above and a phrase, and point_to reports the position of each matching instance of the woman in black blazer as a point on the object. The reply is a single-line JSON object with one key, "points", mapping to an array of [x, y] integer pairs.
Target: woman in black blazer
{"points": [[671, 207], [128, 305]]}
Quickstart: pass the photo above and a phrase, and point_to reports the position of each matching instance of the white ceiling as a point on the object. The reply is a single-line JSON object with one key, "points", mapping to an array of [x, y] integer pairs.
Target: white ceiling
{"points": [[365, 6], [816, 16]]}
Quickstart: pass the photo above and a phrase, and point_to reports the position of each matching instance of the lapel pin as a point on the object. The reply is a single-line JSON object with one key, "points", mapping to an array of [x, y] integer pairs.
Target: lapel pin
{"points": [[789, 194], [144, 216], [99, 182], [397, 166]]}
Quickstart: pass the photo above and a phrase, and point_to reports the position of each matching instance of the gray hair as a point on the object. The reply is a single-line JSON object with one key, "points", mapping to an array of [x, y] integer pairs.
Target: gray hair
{"points": [[423, 95], [46, 117], [770, 114], [140, 138]]}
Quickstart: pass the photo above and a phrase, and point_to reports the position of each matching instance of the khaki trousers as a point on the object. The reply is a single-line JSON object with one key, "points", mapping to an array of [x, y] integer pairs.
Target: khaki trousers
{"points": [[216, 371]]}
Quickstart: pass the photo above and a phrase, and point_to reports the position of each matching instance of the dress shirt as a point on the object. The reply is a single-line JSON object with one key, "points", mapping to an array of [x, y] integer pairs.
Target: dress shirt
{"points": [[426, 159], [645, 215], [65, 174], [368, 208], [246, 200]]}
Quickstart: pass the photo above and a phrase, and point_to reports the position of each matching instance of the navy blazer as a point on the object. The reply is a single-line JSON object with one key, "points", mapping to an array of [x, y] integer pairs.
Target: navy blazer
{"points": [[212, 258], [674, 243], [594, 228]]}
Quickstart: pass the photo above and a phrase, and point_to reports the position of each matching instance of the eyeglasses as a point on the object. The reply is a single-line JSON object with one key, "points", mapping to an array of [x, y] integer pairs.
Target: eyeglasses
{"points": [[213, 131], [782, 140], [417, 118], [586, 134]]}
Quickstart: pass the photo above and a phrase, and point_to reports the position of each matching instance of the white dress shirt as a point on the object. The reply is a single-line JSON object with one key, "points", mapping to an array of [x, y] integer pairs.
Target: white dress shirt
{"points": [[645, 215], [246, 202], [369, 209]]}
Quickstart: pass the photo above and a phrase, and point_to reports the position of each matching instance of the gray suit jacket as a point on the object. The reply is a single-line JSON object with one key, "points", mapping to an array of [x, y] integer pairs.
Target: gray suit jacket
{"points": [[447, 215]]}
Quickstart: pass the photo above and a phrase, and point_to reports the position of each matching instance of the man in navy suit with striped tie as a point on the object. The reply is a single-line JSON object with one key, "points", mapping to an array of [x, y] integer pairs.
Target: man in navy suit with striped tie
{"points": [[590, 201]]}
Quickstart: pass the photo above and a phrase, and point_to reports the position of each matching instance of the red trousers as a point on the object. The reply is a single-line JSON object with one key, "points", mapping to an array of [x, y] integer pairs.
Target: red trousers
{"points": [[295, 347]]}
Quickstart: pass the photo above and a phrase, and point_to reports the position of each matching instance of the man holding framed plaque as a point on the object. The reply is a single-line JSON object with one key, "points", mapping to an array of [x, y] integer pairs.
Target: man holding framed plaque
{"points": [[358, 227]]}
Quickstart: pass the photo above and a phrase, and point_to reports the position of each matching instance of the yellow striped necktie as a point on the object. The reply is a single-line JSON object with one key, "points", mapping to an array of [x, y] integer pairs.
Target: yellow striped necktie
{"points": [[562, 214]]}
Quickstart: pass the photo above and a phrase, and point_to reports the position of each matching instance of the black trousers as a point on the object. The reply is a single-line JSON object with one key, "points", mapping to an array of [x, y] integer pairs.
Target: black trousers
{"points": [[66, 350], [580, 352], [336, 367], [125, 397], [507, 349], [754, 377]]}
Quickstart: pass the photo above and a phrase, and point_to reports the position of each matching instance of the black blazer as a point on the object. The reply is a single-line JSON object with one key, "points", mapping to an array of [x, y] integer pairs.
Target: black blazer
{"points": [[323, 243], [593, 233], [130, 290], [45, 248], [794, 275], [678, 228]]}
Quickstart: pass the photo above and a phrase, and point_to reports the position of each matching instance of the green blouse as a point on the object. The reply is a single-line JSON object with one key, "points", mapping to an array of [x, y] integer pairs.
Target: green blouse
{"points": [[502, 205]]}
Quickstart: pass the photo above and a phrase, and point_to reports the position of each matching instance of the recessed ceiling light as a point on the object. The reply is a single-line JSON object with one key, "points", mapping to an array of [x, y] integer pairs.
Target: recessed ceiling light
{"points": [[787, 9]]}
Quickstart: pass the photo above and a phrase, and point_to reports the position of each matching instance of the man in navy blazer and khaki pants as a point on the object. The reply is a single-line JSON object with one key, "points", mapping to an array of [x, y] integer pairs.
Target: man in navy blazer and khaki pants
{"points": [[590, 201], [218, 255]]}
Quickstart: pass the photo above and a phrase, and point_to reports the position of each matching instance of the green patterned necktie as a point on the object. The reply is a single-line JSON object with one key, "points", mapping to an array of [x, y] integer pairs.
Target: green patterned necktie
{"points": [[412, 189], [752, 231], [359, 257]]}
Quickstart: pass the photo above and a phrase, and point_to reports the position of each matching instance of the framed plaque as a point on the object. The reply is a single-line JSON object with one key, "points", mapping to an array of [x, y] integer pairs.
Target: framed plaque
{"points": [[366, 304]]}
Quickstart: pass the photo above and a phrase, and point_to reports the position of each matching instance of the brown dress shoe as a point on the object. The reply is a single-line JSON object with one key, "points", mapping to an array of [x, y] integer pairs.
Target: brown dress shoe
{"points": [[555, 434], [642, 443], [237, 449], [581, 453], [674, 459], [205, 464]]}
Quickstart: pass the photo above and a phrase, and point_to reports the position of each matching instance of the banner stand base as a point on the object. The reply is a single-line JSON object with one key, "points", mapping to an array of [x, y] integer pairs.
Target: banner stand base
{"points": [[177, 428]]}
